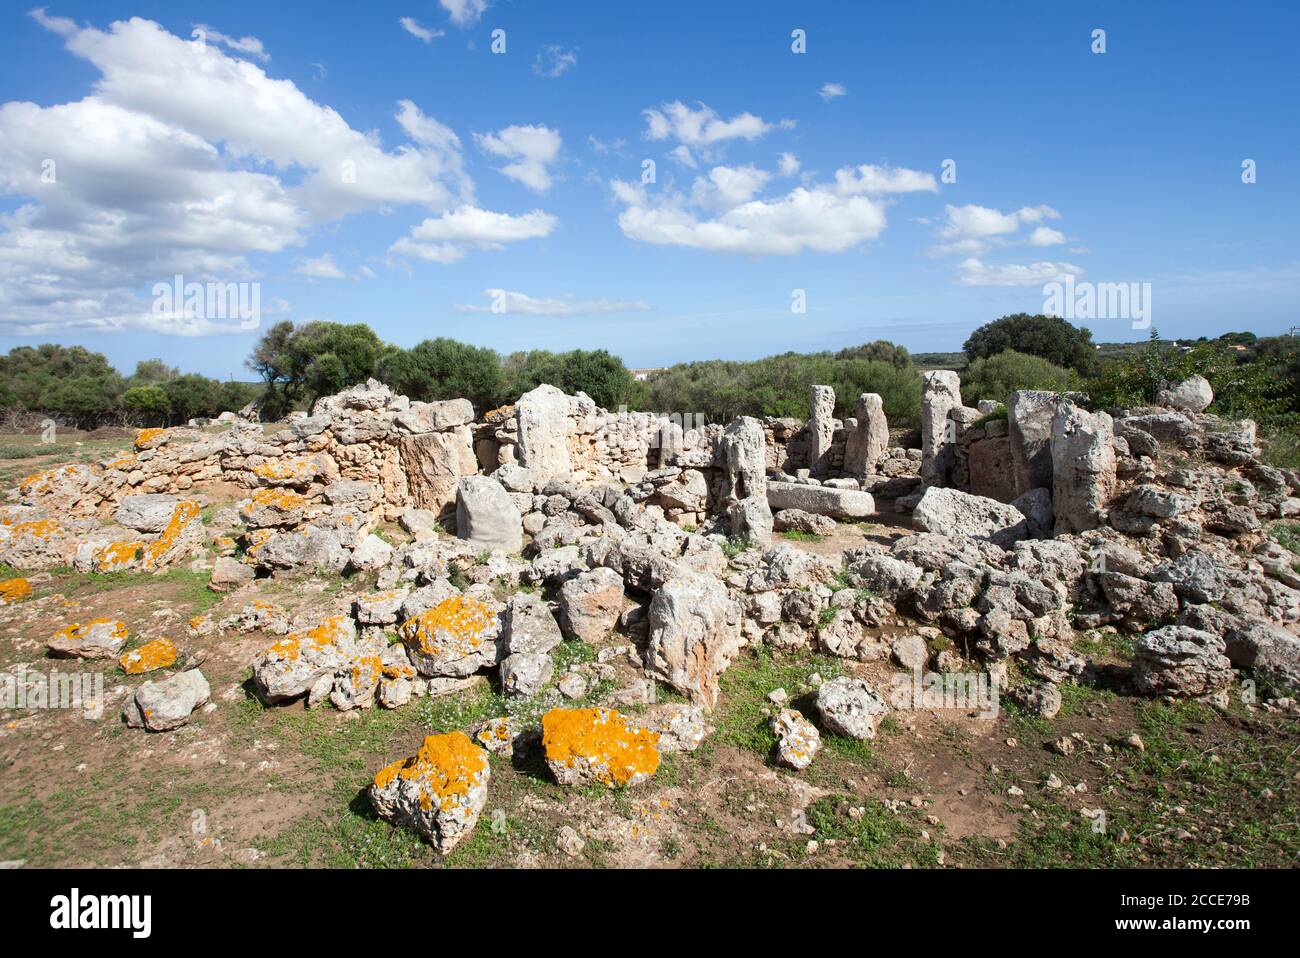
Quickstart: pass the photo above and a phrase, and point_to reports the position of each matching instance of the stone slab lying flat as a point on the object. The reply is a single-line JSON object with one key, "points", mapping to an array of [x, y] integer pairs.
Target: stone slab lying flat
{"points": [[820, 500]]}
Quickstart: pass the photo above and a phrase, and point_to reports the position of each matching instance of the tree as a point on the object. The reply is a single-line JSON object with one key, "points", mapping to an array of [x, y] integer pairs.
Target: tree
{"points": [[445, 369], [996, 377], [1049, 337], [192, 396], [148, 404], [315, 359], [881, 351], [153, 371]]}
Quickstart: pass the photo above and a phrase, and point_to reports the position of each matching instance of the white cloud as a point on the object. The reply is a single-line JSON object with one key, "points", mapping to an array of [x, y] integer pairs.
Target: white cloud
{"points": [[552, 60], [1046, 236], [250, 45], [446, 238], [506, 302], [724, 212], [788, 164], [973, 272], [682, 154], [187, 160], [320, 267], [420, 32], [830, 91], [727, 187], [606, 146], [701, 129], [464, 13], [532, 149], [879, 180]]}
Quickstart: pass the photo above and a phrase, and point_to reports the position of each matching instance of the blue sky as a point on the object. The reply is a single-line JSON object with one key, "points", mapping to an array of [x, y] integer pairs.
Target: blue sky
{"points": [[521, 171]]}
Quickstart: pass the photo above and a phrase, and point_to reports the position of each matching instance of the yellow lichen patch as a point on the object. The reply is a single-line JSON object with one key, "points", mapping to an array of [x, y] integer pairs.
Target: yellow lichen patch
{"points": [[14, 590], [255, 540], [145, 436], [366, 670], [298, 469], [116, 556], [158, 654], [122, 462], [459, 621], [329, 632], [499, 414], [186, 511], [36, 529], [79, 630], [284, 500], [616, 752], [444, 769]]}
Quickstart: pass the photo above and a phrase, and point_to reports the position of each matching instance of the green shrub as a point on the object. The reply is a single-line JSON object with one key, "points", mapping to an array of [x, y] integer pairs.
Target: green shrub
{"points": [[996, 377]]}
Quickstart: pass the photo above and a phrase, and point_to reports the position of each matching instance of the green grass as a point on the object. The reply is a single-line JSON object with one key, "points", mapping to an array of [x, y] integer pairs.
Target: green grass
{"points": [[743, 713], [877, 838], [797, 535], [192, 585], [736, 545]]}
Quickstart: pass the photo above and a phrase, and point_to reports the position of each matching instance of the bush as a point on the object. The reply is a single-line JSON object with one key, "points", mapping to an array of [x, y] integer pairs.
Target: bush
{"points": [[445, 369], [1048, 337], [996, 377]]}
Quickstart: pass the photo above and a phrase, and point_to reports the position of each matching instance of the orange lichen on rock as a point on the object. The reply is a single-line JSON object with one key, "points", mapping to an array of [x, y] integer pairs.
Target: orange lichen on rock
{"points": [[122, 462], [77, 630], [600, 743], [145, 436], [276, 471], [14, 590], [459, 621], [444, 768], [36, 529], [158, 654], [329, 632], [116, 556], [186, 511]]}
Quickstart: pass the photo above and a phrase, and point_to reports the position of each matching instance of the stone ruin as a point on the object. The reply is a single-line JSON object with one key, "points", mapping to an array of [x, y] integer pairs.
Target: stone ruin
{"points": [[1022, 527]]}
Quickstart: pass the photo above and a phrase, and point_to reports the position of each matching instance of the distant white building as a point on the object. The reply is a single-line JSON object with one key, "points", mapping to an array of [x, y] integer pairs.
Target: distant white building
{"points": [[641, 375]]}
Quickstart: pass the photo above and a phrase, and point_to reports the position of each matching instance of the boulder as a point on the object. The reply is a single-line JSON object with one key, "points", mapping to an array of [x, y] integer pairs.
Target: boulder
{"points": [[439, 792], [1181, 661], [528, 625], [820, 500], [229, 574], [456, 637], [487, 516], [953, 513], [146, 513], [292, 666], [1193, 394], [1267, 650], [590, 604], [526, 673], [596, 746], [167, 703], [796, 520], [373, 553], [694, 634], [434, 463], [797, 739], [96, 639], [849, 706], [422, 417]]}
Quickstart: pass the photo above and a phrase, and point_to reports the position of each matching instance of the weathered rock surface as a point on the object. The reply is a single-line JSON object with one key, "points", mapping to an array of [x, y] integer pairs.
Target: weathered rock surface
{"points": [[954, 513], [487, 516], [849, 706], [598, 746], [694, 634], [439, 792], [168, 703]]}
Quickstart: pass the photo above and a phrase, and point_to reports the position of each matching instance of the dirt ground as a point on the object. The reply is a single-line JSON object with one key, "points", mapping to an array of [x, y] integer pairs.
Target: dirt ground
{"points": [[249, 786]]}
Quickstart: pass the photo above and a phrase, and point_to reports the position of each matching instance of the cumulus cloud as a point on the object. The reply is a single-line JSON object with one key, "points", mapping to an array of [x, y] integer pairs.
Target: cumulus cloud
{"points": [[879, 180], [320, 267], [702, 129], [531, 150], [250, 45], [552, 60], [446, 238], [1046, 236], [974, 272], [830, 91], [185, 160], [788, 164], [420, 32], [972, 229], [464, 13], [506, 302], [723, 212]]}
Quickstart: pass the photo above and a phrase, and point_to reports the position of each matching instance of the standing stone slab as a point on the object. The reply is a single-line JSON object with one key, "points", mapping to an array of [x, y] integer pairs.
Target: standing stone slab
{"points": [[868, 441], [1030, 413], [544, 427], [744, 458], [821, 428], [940, 392], [487, 516], [434, 462], [1083, 467]]}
